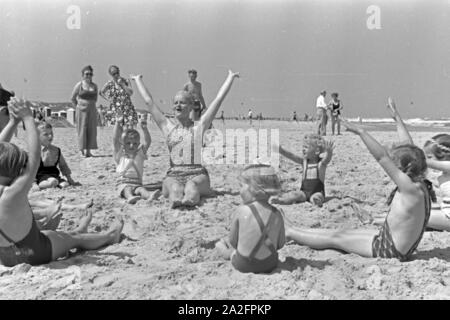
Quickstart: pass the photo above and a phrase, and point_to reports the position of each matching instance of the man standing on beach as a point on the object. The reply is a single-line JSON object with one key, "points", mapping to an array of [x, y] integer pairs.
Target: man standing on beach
{"points": [[321, 114], [195, 89]]}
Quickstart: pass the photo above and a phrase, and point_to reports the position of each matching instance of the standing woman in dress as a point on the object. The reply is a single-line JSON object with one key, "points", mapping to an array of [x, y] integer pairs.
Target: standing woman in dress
{"points": [[84, 97], [118, 92]]}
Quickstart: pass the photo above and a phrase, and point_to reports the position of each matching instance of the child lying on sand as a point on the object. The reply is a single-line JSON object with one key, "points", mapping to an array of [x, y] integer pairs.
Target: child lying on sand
{"points": [[20, 239], [129, 155], [410, 208], [257, 229], [313, 181]]}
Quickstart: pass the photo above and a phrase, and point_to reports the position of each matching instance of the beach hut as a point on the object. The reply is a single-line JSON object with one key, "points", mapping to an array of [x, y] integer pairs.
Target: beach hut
{"points": [[47, 112], [70, 116]]}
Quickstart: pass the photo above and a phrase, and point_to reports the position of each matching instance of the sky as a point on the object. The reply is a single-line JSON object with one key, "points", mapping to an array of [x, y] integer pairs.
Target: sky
{"points": [[286, 51]]}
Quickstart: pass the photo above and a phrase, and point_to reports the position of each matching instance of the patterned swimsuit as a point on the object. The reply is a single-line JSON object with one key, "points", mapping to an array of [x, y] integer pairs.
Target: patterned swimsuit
{"points": [[185, 154], [383, 245]]}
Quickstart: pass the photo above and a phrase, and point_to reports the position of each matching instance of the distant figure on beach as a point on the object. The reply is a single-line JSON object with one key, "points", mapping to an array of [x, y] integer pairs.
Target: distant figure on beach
{"points": [[322, 117], [410, 205], [118, 92], [257, 230], [187, 180], [5, 96], [314, 164], [84, 98], [335, 106], [222, 117], [250, 116], [194, 88], [294, 117], [305, 117], [21, 241]]}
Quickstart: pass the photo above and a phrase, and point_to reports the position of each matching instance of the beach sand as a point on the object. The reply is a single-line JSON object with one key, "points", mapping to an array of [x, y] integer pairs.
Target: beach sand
{"points": [[169, 254]]}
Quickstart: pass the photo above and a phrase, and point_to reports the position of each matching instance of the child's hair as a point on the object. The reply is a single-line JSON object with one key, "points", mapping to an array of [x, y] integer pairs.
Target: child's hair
{"points": [[43, 125], [87, 68], [262, 180], [187, 95], [411, 160], [12, 160], [335, 95], [439, 146], [130, 133], [313, 141]]}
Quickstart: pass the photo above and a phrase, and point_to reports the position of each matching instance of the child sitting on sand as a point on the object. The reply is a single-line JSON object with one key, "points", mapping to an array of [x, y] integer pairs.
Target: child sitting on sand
{"points": [[20, 239], [257, 229], [438, 153], [129, 155], [410, 205], [52, 163], [314, 166]]}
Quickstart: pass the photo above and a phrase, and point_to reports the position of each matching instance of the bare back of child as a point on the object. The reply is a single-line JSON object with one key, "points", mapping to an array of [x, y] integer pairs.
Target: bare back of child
{"points": [[257, 229]]}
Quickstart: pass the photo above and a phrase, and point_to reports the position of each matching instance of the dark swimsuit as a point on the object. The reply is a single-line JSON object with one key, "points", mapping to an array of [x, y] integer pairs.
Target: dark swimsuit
{"points": [[311, 186], [44, 173], [250, 263], [334, 111], [34, 249], [383, 245]]}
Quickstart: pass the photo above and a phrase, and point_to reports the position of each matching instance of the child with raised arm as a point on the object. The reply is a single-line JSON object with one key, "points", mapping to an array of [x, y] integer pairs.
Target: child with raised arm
{"points": [[186, 180], [257, 230], [438, 158], [317, 154], [52, 164], [129, 155], [20, 239], [410, 205]]}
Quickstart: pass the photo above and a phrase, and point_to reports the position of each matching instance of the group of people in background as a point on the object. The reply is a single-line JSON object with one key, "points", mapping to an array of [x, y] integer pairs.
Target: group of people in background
{"points": [[331, 110]]}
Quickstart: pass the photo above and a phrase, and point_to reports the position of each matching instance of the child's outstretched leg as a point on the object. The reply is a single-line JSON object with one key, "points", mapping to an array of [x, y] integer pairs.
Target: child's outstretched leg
{"points": [[48, 183], [351, 241], [173, 190], [439, 220], [194, 189], [290, 198], [63, 242]]}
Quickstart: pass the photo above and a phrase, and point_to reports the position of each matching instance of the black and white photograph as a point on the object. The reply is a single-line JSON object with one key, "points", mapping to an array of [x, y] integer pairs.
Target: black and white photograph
{"points": [[244, 150]]}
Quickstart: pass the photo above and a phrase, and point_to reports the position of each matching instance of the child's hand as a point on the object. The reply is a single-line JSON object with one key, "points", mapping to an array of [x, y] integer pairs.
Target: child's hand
{"points": [[329, 146], [119, 118], [392, 108], [233, 74], [135, 76], [350, 126], [144, 124], [20, 109]]}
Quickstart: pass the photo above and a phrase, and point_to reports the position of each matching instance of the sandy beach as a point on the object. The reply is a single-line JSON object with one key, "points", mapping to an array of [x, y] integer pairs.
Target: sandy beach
{"points": [[169, 254]]}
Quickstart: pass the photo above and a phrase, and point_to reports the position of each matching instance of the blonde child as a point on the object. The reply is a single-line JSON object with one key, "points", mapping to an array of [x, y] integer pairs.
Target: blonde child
{"points": [[52, 163], [410, 205], [20, 239], [317, 154], [257, 230], [129, 155]]}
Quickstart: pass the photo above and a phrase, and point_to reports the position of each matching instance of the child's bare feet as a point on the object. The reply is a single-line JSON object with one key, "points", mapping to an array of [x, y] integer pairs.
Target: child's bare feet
{"points": [[133, 199], [176, 203], [84, 222], [115, 231]]}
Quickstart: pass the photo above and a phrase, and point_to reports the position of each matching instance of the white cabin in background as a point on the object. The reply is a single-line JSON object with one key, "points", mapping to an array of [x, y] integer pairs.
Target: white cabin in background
{"points": [[71, 116]]}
